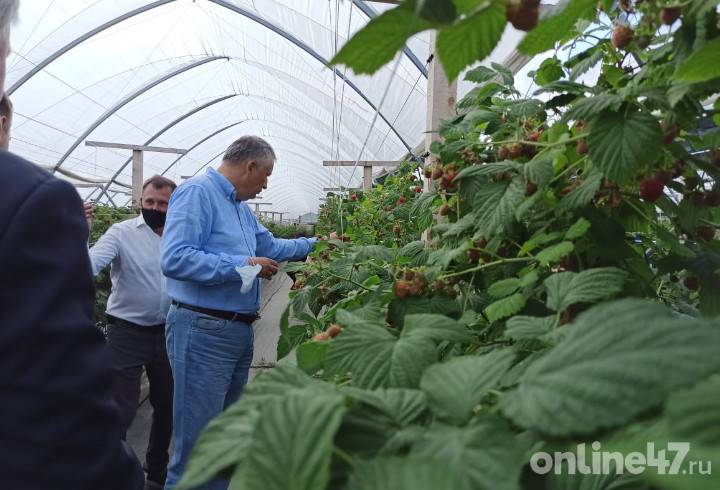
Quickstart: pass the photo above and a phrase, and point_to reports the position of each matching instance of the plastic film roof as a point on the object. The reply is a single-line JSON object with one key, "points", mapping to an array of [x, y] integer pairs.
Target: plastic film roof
{"points": [[197, 74]]}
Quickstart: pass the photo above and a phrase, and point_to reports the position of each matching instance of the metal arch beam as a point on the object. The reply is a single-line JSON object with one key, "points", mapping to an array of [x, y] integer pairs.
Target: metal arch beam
{"points": [[302, 156], [297, 154], [40, 66], [219, 131], [209, 162], [273, 101], [276, 102], [296, 110], [203, 166], [104, 190], [225, 128], [130, 98], [297, 42], [285, 126], [270, 69], [221, 3], [163, 131], [372, 13]]}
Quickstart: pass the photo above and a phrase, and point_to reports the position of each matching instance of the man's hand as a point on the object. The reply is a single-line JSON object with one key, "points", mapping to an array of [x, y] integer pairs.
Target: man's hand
{"points": [[269, 266], [89, 214]]}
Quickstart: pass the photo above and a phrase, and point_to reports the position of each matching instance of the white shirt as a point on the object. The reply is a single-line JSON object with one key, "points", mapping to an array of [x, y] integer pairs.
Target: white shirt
{"points": [[138, 286]]}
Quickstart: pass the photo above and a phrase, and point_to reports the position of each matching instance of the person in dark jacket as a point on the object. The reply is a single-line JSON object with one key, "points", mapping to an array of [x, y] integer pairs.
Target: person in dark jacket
{"points": [[59, 425]]}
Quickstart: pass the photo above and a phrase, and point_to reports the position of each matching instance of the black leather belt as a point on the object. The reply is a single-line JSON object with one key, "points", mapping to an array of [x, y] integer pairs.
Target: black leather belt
{"points": [[115, 321], [222, 314]]}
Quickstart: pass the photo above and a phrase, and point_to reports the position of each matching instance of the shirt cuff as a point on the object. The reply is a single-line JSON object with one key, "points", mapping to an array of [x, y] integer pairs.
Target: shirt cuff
{"points": [[230, 263]]}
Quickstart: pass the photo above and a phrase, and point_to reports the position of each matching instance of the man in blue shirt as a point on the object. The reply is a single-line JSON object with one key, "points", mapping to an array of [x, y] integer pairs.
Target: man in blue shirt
{"points": [[214, 250]]}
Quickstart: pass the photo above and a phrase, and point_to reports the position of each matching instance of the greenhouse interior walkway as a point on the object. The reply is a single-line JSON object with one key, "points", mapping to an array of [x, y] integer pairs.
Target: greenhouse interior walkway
{"points": [[267, 332]]}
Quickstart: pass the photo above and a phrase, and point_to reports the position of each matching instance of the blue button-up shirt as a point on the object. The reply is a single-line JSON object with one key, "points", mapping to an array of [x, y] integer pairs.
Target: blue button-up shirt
{"points": [[208, 233]]}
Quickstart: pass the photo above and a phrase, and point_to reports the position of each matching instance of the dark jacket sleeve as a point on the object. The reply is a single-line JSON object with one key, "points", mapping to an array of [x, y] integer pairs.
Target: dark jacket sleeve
{"points": [[59, 427]]}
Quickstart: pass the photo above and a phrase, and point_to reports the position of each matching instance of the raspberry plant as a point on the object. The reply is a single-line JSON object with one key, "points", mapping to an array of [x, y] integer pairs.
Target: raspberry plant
{"points": [[379, 217], [570, 291]]}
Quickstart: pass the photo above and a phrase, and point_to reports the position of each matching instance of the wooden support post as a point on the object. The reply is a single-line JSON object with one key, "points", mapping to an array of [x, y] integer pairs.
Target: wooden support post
{"points": [[137, 177], [441, 98], [137, 162], [341, 189], [367, 177], [367, 166], [257, 207]]}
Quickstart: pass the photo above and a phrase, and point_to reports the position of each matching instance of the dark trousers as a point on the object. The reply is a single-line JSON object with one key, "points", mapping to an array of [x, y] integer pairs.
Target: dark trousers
{"points": [[132, 347]]}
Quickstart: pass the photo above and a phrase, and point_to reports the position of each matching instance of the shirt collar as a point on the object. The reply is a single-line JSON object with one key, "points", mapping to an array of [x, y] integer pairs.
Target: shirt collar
{"points": [[221, 181], [139, 221]]}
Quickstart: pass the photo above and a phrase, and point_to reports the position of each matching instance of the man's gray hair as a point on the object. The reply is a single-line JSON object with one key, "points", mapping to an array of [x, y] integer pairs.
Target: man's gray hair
{"points": [[8, 14], [248, 148]]}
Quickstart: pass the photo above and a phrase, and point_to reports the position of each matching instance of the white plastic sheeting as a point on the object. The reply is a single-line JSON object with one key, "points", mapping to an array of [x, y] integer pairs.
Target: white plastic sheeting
{"points": [[103, 67]]}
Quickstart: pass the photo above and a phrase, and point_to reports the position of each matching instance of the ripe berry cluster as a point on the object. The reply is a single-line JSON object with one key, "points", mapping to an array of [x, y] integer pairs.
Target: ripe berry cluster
{"points": [[411, 283]]}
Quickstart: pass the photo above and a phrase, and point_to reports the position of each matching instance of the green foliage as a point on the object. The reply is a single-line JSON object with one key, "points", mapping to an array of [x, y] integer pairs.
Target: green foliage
{"points": [[612, 366], [701, 65], [396, 472], [621, 142], [376, 44], [694, 414], [557, 27], [377, 216], [483, 456], [553, 303], [550, 71], [288, 230], [456, 387], [299, 456], [568, 288], [376, 358], [505, 307], [472, 38]]}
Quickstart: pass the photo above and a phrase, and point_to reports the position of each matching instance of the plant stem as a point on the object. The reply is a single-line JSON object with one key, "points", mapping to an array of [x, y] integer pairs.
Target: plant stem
{"points": [[494, 342], [639, 211], [482, 250], [344, 456], [534, 143], [662, 281], [489, 264], [467, 295], [567, 169], [348, 280]]}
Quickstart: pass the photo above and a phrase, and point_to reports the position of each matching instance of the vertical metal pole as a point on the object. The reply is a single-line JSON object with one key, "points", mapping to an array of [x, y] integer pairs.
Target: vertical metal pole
{"points": [[137, 177]]}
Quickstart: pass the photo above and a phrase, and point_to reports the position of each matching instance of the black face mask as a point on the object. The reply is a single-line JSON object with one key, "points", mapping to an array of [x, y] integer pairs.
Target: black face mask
{"points": [[154, 219]]}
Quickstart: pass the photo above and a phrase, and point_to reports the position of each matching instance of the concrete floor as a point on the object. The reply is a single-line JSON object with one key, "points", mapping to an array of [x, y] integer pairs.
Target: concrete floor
{"points": [[267, 331]]}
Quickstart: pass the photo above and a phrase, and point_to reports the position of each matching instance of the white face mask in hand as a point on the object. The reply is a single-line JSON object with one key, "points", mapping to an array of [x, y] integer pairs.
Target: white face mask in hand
{"points": [[248, 275]]}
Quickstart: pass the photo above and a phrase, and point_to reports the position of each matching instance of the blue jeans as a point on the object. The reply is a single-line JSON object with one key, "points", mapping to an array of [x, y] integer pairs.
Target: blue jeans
{"points": [[210, 361]]}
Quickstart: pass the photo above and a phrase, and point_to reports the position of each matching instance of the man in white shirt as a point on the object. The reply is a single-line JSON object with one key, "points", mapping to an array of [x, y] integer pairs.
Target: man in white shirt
{"points": [[136, 310]]}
